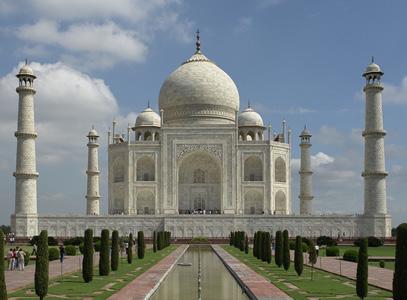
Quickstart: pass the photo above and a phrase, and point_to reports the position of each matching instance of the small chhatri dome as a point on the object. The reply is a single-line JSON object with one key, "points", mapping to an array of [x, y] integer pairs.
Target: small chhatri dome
{"points": [[148, 118], [250, 118], [305, 132], [26, 70], [373, 68], [199, 92], [93, 133]]}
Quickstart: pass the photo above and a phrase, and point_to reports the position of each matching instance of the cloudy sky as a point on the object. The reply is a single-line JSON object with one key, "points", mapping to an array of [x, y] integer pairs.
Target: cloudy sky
{"points": [[296, 60]]}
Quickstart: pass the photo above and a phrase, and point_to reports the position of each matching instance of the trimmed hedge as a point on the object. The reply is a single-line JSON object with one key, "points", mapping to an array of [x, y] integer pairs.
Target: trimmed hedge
{"points": [[400, 266], [326, 240], [87, 262], [130, 249], [51, 241], [76, 241], [362, 270], [140, 245], [278, 255], [41, 276], [114, 260], [332, 251], [154, 241], [286, 251], [351, 255], [104, 260], [70, 250], [298, 256], [53, 254]]}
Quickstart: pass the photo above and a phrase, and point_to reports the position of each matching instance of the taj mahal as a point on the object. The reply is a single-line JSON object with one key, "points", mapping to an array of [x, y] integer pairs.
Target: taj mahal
{"points": [[202, 165]]}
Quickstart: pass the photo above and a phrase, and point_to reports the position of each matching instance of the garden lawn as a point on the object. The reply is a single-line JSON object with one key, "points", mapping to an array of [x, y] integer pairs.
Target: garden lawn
{"points": [[324, 286], [372, 251], [73, 287], [387, 264]]}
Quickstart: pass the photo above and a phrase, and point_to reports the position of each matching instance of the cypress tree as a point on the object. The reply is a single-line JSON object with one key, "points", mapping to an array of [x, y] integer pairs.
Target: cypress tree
{"points": [[362, 270], [246, 245], [278, 254], [114, 261], [264, 244], [154, 242], [242, 240], [400, 267], [87, 262], [268, 247], [255, 244], [286, 251], [130, 249], [42, 266], [298, 256], [159, 242], [104, 264], [140, 245], [3, 288], [231, 238]]}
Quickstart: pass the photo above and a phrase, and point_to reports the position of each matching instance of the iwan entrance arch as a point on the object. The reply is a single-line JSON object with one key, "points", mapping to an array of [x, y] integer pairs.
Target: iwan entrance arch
{"points": [[199, 184]]}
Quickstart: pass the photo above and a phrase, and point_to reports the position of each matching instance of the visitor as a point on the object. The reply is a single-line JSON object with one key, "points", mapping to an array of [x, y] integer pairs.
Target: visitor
{"points": [[16, 258], [317, 249], [61, 253], [13, 260], [34, 252], [10, 260], [20, 259], [126, 246]]}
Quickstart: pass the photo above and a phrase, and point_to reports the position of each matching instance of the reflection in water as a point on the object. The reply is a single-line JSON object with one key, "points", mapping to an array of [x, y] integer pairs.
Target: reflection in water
{"points": [[182, 283]]}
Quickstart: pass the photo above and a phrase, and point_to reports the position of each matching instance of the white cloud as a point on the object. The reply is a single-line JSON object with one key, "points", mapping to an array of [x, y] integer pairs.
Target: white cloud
{"points": [[395, 94], [67, 103], [103, 45], [243, 24]]}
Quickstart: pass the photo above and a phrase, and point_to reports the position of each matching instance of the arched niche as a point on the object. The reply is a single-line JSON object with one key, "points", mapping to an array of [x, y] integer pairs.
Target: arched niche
{"points": [[145, 169], [280, 203], [253, 169], [118, 171], [280, 170], [145, 203], [199, 184], [253, 203]]}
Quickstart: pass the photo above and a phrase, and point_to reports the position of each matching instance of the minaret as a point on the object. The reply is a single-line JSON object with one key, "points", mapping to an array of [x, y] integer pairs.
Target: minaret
{"points": [[93, 195], [25, 214], [305, 174], [375, 172]]}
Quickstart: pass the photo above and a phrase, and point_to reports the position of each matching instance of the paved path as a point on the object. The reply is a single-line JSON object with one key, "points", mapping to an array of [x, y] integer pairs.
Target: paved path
{"points": [[256, 286], [146, 284], [16, 280], [379, 277]]}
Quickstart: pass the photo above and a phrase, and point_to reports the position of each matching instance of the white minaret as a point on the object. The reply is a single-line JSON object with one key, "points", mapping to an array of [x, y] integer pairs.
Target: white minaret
{"points": [[93, 195], [305, 174], [24, 221], [375, 172]]}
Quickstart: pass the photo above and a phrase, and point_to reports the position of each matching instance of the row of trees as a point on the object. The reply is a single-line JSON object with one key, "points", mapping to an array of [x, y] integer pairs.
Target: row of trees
{"points": [[262, 246], [161, 240]]}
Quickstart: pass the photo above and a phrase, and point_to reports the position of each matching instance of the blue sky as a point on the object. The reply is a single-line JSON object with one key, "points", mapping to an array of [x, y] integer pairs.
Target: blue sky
{"points": [[296, 60]]}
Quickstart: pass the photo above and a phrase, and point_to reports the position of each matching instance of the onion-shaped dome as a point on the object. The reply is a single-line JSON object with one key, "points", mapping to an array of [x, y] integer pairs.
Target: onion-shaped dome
{"points": [[26, 70], [148, 118], [93, 132], [250, 118], [199, 92], [373, 68], [305, 132]]}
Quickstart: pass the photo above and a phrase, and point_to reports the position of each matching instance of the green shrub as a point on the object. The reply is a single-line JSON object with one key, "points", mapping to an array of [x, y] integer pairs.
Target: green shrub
{"points": [[104, 261], [3, 289], [400, 266], [81, 247], [351, 255], [371, 241], [154, 241], [232, 235], [291, 245], [199, 239], [382, 264], [326, 240], [332, 251], [76, 241], [97, 246], [298, 255], [26, 259], [51, 241], [312, 258], [286, 251], [70, 250], [306, 241], [42, 265], [246, 245], [304, 247], [255, 244], [53, 254], [114, 261], [362, 270], [87, 262]]}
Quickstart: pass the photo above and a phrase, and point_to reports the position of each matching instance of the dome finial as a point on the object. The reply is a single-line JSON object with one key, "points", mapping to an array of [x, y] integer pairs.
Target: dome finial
{"points": [[198, 42], [248, 104], [148, 103], [372, 59], [26, 62]]}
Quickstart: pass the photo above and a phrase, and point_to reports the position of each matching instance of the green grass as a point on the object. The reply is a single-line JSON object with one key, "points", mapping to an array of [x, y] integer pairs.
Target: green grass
{"points": [[324, 286], [102, 287], [388, 264], [372, 251]]}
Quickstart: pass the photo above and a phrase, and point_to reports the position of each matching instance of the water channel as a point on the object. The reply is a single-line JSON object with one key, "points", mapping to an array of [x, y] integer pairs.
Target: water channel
{"points": [[216, 281]]}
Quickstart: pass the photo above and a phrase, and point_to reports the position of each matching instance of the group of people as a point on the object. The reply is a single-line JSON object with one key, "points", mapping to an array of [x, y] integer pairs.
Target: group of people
{"points": [[15, 258]]}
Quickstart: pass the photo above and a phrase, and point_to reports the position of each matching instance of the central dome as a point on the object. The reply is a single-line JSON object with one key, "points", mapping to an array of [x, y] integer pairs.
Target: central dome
{"points": [[199, 92]]}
